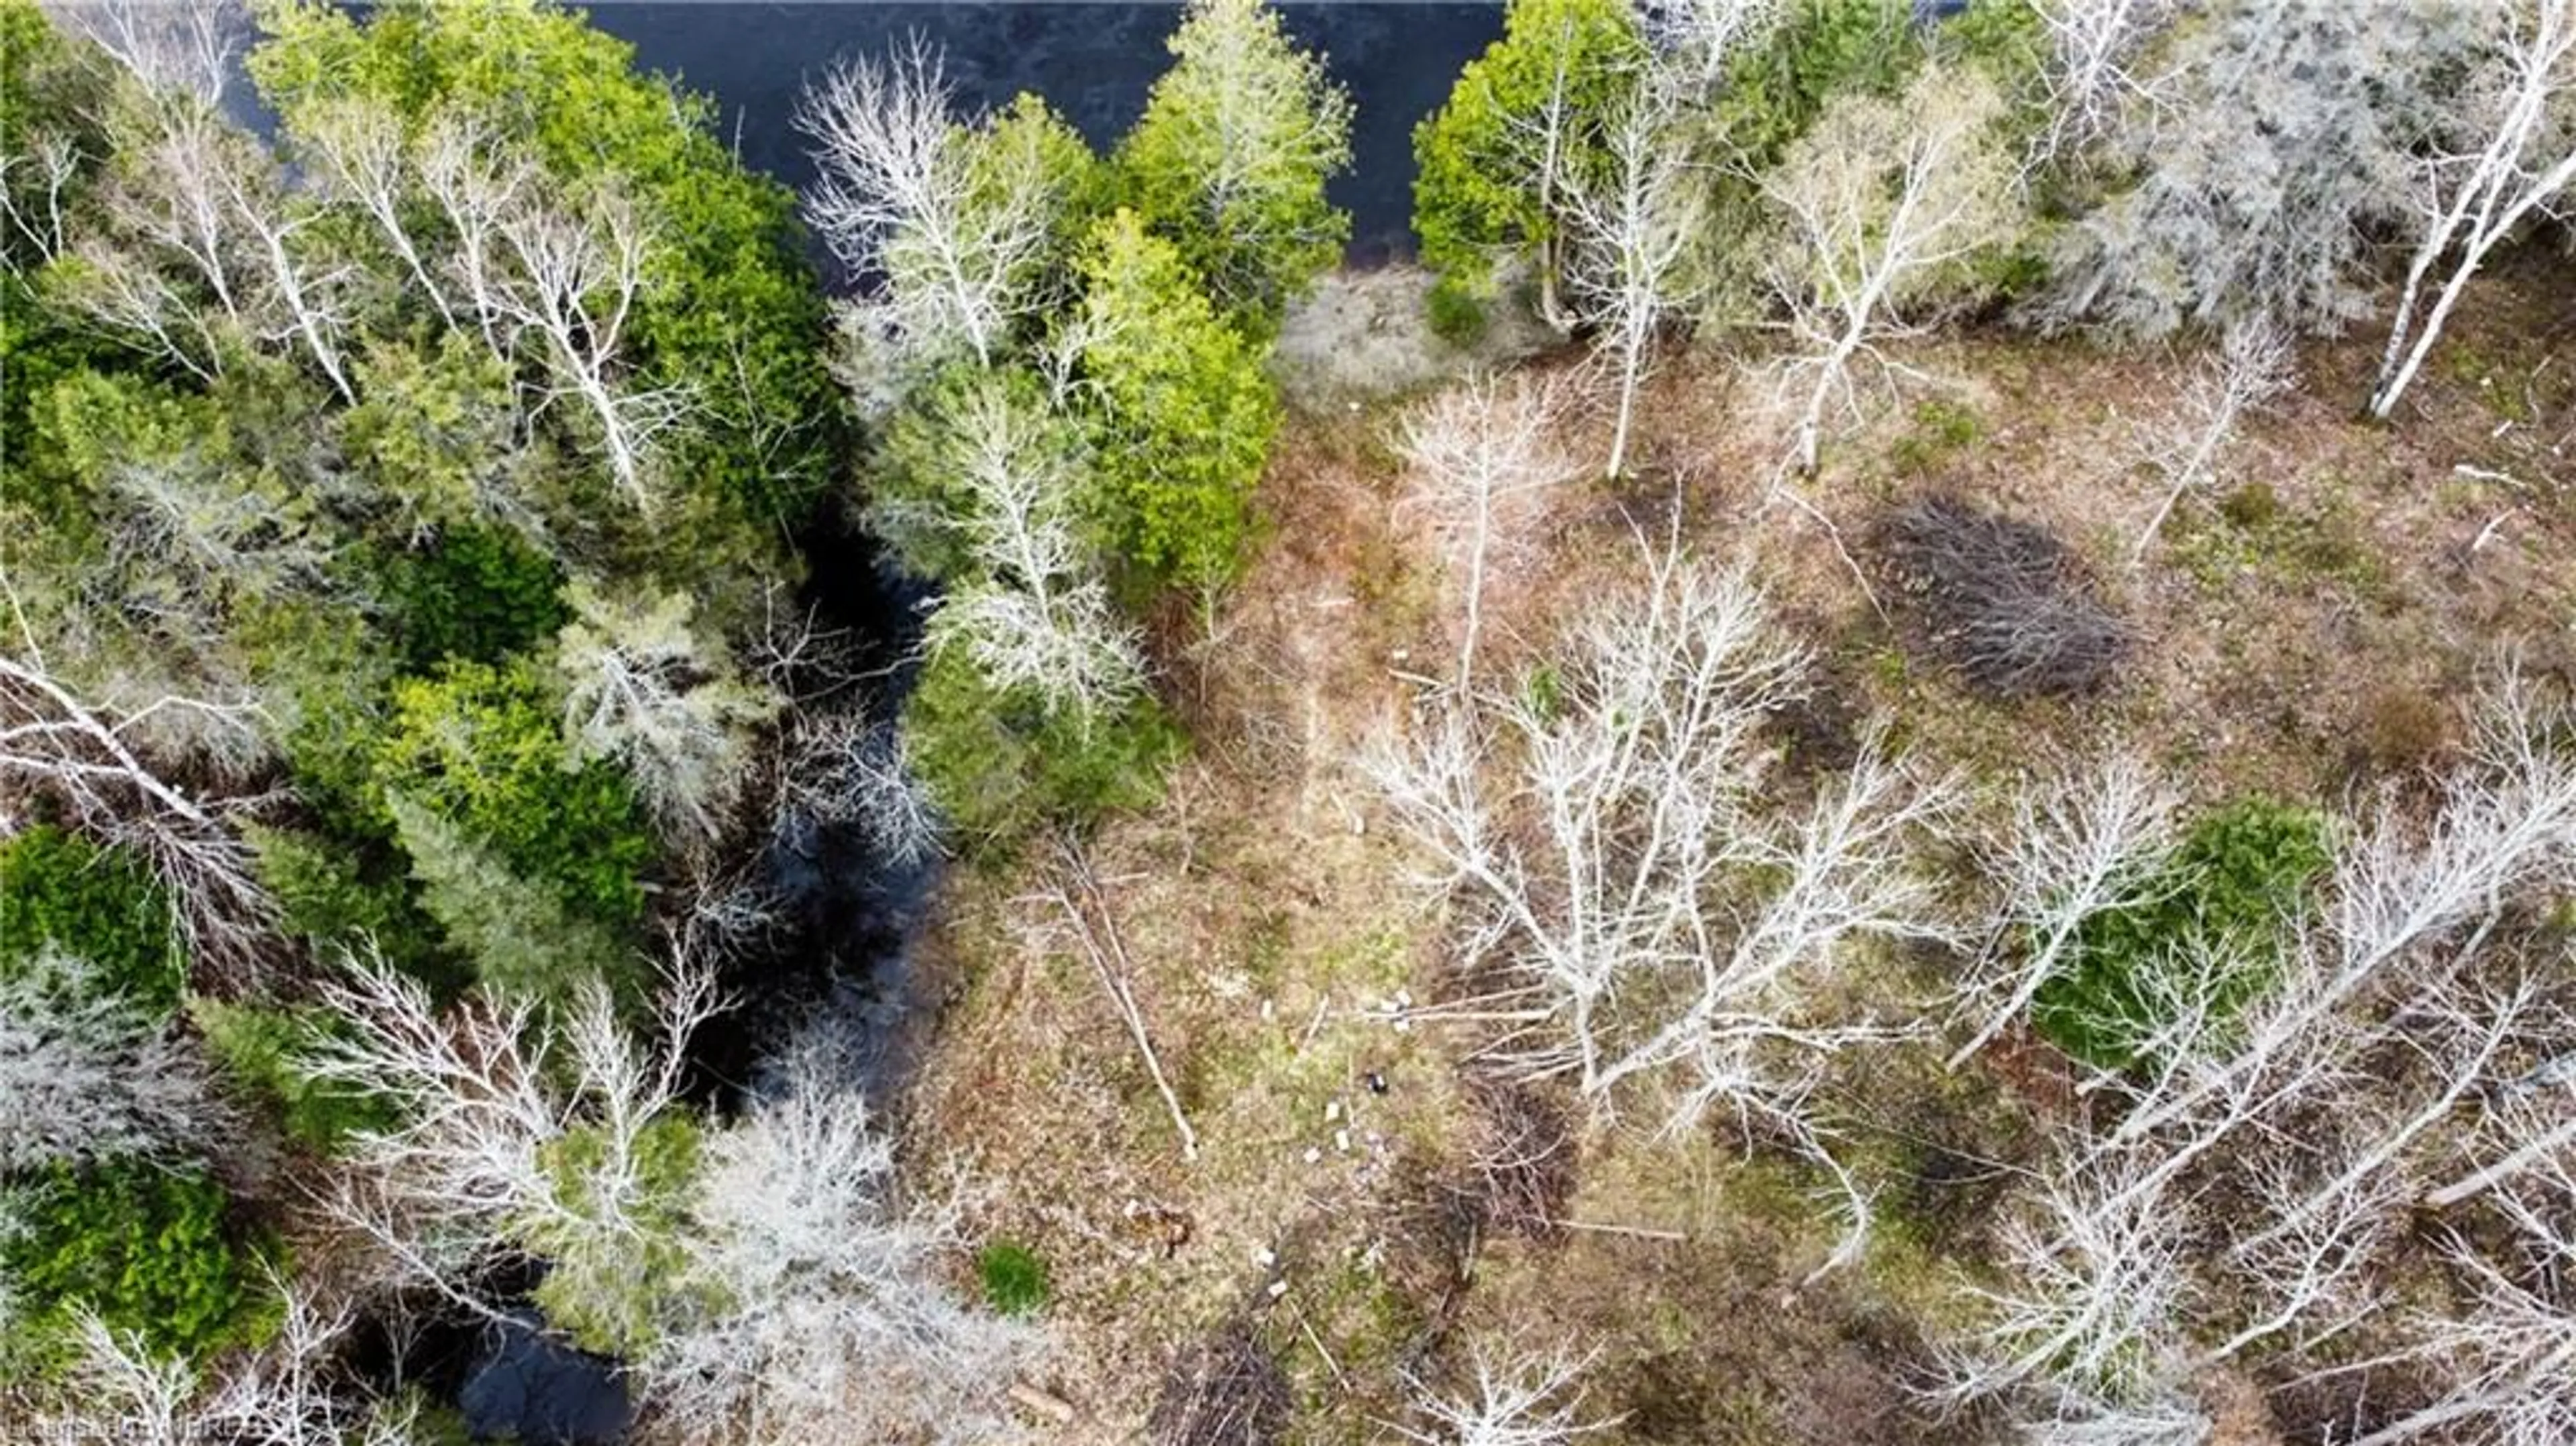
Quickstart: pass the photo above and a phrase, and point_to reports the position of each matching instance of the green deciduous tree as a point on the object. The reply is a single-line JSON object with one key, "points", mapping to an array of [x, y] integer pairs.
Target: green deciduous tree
{"points": [[478, 747], [727, 305], [1523, 125], [1181, 411], [1230, 158]]}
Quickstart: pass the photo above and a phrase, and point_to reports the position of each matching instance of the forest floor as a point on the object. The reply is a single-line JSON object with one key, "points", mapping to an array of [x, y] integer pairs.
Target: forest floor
{"points": [[1360, 1204]]}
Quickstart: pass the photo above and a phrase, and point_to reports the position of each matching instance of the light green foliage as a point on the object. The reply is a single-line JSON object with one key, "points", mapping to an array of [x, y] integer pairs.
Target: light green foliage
{"points": [[1000, 766], [1523, 123], [436, 429], [258, 1046], [1182, 413], [730, 304], [95, 904], [51, 100], [615, 1264], [1027, 143], [2223, 899], [148, 1249], [923, 497], [1229, 160], [477, 746], [520, 937]]}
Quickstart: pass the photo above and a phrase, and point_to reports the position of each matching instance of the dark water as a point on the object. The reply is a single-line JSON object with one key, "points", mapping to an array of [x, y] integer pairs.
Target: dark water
{"points": [[1092, 61]]}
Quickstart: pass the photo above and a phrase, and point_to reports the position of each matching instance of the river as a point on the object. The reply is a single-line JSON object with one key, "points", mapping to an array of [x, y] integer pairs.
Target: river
{"points": [[1092, 61]]}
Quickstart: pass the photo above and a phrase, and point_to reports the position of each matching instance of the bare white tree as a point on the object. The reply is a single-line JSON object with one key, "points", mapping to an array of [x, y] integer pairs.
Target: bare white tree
{"points": [[2329, 1108], [93, 762], [1482, 452], [2083, 840], [1665, 930], [1881, 205], [1511, 1397], [121, 1392], [2251, 368], [83, 1078], [180, 47], [1032, 608], [463, 1180], [957, 245], [2094, 75], [2088, 1315], [475, 187], [577, 278], [642, 688], [830, 1319], [1696, 38], [360, 157], [842, 768], [2524, 161], [32, 190], [1627, 235]]}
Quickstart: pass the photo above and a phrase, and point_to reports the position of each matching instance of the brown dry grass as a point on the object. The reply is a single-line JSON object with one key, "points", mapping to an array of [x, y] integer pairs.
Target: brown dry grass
{"points": [[2306, 653]]}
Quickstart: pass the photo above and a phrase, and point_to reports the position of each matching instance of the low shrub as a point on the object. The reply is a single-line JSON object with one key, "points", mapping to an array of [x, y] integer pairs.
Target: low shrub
{"points": [[2221, 900], [1457, 316]]}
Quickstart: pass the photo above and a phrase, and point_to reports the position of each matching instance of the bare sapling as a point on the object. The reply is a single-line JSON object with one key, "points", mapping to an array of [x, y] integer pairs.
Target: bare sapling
{"points": [[1482, 453]]}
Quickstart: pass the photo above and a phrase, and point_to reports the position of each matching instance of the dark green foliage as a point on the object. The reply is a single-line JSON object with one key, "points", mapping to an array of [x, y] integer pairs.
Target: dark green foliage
{"points": [[149, 1250], [1015, 1279], [476, 592], [2226, 894], [1821, 49], [258, 1046], [97, 904], [478, 747], [339, 891], [1457, 317], [1000, 766]]}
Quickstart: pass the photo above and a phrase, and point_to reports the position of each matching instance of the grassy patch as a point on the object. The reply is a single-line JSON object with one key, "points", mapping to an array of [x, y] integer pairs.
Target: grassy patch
{"points": [[1015, 1279]]}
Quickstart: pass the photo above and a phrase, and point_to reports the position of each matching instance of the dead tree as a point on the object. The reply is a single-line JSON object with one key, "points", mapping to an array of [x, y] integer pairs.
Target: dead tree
{"points": [[1880, 205], [1511, 1398], [1667, 936], [2093, 71], [1627, 238], [1483, 451], [1694, 39], [2524, 161], [900, 196], [2083, 841], [89, 761], [2252, 367], [823, 1312], [177, 47], [1033, 610]]}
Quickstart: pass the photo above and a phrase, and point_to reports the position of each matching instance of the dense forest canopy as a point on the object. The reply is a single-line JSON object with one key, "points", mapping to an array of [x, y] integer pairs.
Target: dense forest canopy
{"points": [[1888, 758]]}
